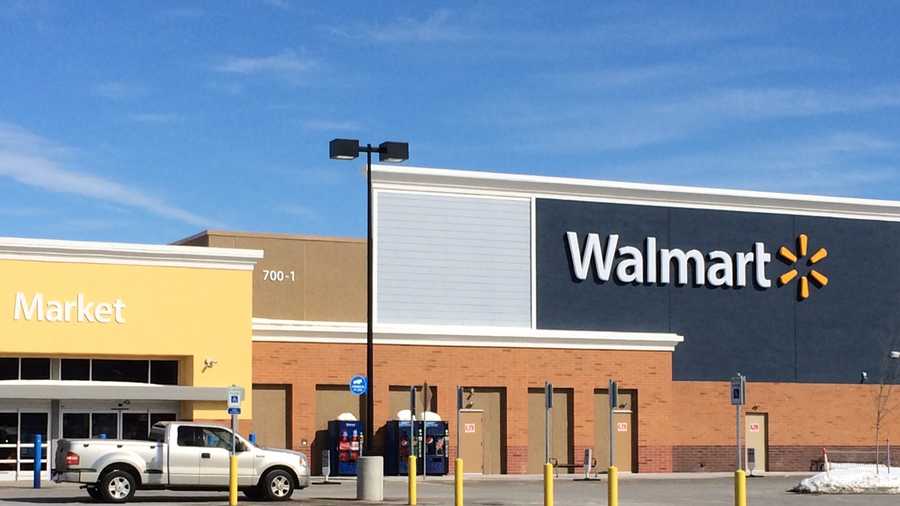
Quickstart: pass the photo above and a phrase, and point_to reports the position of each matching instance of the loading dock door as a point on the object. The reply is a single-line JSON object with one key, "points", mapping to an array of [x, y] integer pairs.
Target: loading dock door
{"points": [[492, 401], [471, 434], [756, 430], [561, 447], [271, 415], [624, 420]]}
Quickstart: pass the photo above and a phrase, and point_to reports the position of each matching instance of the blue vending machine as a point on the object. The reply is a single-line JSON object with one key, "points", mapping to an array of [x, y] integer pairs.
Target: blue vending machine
{"points": [[398, 448], [437, 438], [345, 441]]}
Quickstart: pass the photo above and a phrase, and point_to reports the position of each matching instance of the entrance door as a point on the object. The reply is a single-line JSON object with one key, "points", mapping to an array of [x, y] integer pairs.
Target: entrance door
{"points": [[756, 429], [471, 444], [31, 424], [105, 425], [9, 441]]}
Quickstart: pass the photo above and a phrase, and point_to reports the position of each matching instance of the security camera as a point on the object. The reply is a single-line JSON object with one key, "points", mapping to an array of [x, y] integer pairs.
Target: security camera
{"points": [[895, 354], [863, 376]]}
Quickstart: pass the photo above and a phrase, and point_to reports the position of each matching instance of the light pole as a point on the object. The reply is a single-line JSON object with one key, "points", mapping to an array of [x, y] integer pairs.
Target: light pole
{"points": [[393, 152]]}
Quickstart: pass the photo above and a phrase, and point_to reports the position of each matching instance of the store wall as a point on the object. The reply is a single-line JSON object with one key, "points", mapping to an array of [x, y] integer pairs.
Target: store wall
{"points": [[188, 314], [512, 371], [303, 277], [802, 419], [768, 334]]}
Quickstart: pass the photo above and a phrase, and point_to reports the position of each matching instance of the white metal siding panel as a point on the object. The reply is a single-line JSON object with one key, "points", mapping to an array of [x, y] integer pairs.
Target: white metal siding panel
{"points": [[450, 260]]}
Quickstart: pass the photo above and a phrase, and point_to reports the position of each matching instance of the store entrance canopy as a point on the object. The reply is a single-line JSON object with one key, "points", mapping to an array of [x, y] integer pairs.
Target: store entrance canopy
{"points": [[58, 390]]}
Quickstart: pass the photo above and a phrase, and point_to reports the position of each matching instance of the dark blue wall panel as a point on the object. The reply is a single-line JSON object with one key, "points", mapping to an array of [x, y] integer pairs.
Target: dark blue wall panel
{"points": [[769, 334]]}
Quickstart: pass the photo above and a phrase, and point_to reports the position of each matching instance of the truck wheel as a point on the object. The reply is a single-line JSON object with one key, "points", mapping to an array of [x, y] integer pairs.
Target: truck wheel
{"points": [[117, 486], [277, 485], [94, 493]]}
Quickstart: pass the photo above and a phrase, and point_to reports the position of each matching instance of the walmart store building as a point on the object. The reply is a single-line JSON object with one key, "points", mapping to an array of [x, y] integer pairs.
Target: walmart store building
{"points": [[497, 283]]}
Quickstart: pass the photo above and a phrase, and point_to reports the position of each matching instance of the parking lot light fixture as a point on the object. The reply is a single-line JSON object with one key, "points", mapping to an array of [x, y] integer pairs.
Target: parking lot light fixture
{"points": [[392, 152]]}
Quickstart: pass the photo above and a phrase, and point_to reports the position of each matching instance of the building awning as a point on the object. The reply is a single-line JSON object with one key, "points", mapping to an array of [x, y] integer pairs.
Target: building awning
{"points": [[108, 390]]}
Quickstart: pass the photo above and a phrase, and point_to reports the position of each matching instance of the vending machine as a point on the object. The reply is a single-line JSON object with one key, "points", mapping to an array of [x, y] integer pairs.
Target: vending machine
{"points": [[430, 441], [437, 439], [345, 442], [399, 446]]}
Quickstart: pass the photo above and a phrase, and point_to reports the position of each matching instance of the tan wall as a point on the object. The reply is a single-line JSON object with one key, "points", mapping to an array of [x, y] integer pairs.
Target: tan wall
{"points": [[514, 369], [329, 281]]}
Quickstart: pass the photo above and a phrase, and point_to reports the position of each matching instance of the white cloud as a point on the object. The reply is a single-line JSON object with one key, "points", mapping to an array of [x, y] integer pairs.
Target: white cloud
{"points": [[436, 27], [304, 213], [34, 161], [155, 117], [285, 63], [836, 163], [120, 90], [605, 125]]}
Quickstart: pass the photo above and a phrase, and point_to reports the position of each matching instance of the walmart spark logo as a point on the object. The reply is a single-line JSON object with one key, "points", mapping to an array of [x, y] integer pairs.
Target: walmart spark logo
{"points": [[820, 279]]}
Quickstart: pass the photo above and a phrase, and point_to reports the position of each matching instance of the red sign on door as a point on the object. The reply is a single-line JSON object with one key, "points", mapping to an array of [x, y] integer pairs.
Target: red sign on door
{"points": [[754, 427], [622, 426]]}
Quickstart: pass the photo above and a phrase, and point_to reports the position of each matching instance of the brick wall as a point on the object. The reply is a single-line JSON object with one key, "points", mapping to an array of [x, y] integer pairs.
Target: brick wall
{"points": [[681, 426], [303, 365]]}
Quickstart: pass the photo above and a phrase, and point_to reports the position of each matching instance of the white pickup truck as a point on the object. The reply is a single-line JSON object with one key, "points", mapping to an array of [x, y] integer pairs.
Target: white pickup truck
{"points": [[178, 456]]}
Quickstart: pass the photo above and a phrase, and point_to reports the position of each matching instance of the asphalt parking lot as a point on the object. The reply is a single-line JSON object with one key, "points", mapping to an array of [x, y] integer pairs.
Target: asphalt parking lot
{"points": [[643, 491]]}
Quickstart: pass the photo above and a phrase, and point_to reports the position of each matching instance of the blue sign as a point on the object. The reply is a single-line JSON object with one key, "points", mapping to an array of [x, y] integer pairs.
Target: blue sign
{"points": [[359, 385], [234, 411]]}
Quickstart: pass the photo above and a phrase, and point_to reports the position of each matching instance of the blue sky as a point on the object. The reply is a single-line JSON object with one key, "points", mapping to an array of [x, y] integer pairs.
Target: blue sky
{"points": [[149, 121]]}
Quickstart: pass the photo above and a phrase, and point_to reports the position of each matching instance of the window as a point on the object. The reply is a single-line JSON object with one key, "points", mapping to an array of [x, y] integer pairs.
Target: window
{"points": [[75, 369], [158, 434], [76, 425], [133, 371], [164, 372], [35, 368], [9, 368], [204, 437]]}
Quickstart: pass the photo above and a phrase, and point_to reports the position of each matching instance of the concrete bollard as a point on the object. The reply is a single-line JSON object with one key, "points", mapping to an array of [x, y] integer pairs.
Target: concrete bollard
{"points": [[548, 484], [613, 486], [458, 486], [740, 488], [411, 479], [370, 478]]}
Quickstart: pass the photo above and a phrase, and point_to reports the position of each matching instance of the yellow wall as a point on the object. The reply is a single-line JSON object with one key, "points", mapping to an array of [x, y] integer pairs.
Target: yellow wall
{"points": [[187, 313]]}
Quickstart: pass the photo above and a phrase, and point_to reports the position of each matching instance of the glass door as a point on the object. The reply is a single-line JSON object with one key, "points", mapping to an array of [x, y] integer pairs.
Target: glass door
{"points": [[31, 424], [9, 443], [136, 426], [105, 425]]}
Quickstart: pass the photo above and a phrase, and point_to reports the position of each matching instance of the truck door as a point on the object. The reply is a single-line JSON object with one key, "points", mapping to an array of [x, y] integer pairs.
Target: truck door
{"points": [[214, 461], [184, 455]]}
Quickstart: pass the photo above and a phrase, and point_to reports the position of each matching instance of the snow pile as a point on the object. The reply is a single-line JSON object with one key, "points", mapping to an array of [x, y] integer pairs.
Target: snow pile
{"points": [[853, 479]]}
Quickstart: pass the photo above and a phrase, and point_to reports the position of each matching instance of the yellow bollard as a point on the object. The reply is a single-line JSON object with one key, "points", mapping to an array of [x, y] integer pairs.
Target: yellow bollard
{"points": [[411, 477], [613, 486], [232, 480], [458, 475], [548, 484], [740, 488]]}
